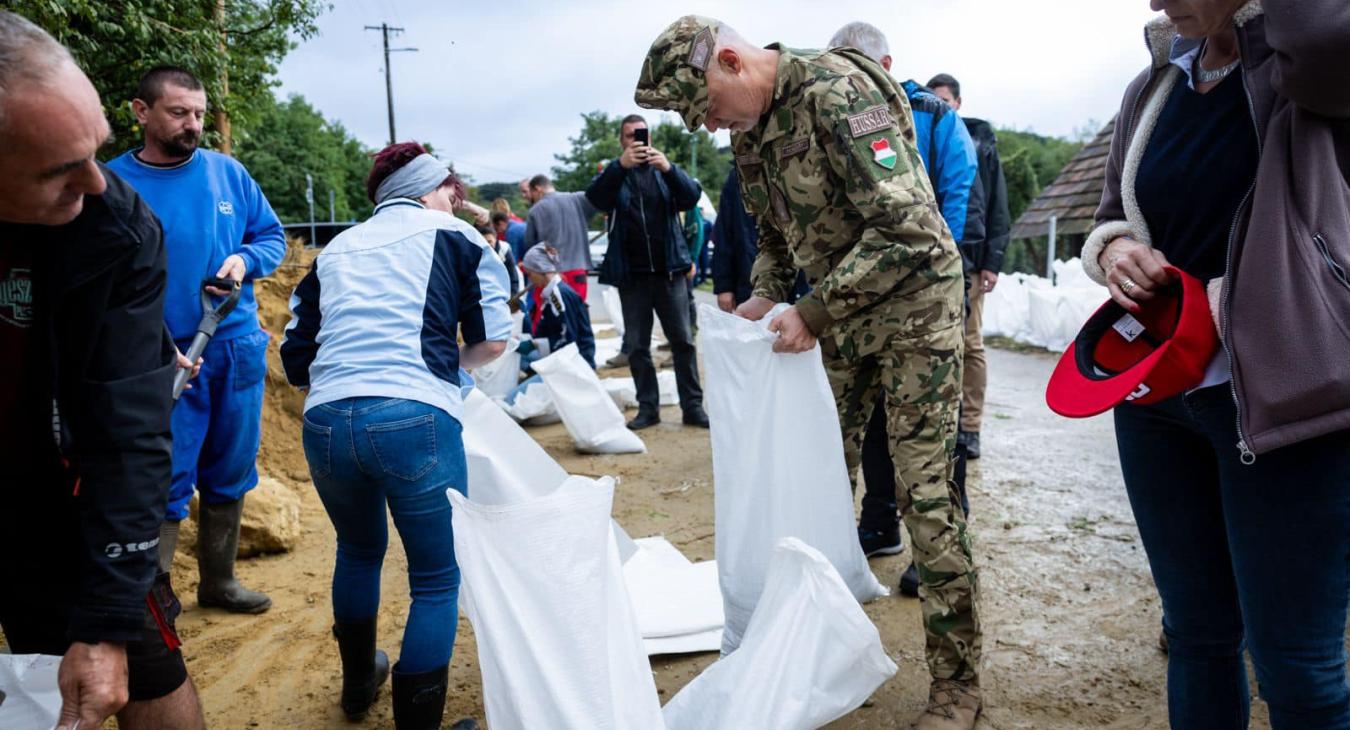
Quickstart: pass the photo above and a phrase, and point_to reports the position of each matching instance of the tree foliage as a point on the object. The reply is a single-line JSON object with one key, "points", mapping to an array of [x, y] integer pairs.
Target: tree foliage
{"points": [[298, 140], [1030, 162], [117, 42], [598, 142]]}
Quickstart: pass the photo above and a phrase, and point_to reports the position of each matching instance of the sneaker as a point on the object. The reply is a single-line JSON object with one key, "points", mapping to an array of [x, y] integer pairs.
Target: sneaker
{"points": [[880, 542], [644, 420], [696, 417], [952, 705], [618, 361], [909, 581], [971, 440]]}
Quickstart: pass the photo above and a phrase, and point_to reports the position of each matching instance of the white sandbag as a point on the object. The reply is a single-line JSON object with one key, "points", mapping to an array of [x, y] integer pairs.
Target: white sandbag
{"points": [[31, 698], [506, 465], [671, 596], [624, 390], [533, 407], [558, 644], [1005, 308], [609, 297], [1056, 314], [778, 463], [500, 376], [594, 422], [710, 640], [810, 656], [606, 348]]}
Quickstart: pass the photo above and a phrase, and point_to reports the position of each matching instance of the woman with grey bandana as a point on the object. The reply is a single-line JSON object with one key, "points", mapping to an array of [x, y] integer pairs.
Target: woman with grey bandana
{"points": [[375, 338]]}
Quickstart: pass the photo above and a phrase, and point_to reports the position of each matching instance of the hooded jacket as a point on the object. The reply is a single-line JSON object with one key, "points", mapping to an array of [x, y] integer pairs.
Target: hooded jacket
{"points": [[1285, 312], [613, 191], [96, 483]]}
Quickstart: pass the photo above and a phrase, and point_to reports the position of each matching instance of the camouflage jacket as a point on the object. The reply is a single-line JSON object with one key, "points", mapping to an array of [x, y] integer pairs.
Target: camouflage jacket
{"points": [[834, 179]]}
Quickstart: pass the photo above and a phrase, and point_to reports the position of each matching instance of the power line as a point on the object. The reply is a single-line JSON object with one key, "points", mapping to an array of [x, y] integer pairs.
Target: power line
{"points": [[385, 30]]}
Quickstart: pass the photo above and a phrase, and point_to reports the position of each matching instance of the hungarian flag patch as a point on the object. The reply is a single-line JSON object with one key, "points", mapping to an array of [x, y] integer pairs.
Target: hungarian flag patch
{"points": [[882, 154]]}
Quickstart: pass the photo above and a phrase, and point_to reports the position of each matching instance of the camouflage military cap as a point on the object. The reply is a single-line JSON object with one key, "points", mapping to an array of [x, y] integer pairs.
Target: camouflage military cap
{"points": [[673, 72]]}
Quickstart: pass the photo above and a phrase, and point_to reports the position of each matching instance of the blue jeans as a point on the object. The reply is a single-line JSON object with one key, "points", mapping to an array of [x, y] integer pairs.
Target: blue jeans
{"points": [[364, 453], [1243, 555], [217, 424]]}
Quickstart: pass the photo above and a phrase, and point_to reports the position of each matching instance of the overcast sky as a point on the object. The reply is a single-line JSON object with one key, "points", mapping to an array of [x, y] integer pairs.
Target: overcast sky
{"points": [[499, 87]]}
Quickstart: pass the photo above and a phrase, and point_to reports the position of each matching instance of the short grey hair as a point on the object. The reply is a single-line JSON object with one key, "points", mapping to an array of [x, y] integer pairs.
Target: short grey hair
{"points": [[863, 36], [27, 54]]}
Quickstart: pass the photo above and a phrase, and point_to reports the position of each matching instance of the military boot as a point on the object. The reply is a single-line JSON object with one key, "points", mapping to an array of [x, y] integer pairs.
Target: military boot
{"points": [[952, 705], [217, 546]]}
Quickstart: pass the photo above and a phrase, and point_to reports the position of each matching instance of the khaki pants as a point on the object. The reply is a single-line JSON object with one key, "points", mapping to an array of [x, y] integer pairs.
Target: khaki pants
{"points": [[975, 372]]}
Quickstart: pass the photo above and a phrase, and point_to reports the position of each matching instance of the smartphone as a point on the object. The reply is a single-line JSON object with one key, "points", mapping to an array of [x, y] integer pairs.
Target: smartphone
{"points": [[641, 136]]}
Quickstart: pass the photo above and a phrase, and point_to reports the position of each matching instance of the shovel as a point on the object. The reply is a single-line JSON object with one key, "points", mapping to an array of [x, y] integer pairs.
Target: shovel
{"points": [[212, 316]]}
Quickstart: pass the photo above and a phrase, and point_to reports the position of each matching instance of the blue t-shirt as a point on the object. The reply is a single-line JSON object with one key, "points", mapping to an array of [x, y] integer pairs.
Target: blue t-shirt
{"points": [[210, 208]]}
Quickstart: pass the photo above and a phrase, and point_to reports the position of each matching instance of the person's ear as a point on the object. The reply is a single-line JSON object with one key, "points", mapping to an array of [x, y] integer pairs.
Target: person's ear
{"points": [[141, 110], [886, 62], [730, 61]]}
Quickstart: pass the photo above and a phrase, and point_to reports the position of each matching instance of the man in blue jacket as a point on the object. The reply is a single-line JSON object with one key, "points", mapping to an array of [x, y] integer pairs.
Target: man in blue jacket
{"points": [[949, 156], [217, 223], [648, 260]]}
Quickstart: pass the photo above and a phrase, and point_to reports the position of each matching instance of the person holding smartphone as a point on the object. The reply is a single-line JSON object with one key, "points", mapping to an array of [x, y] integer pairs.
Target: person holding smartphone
{"points": [[643, 193]]}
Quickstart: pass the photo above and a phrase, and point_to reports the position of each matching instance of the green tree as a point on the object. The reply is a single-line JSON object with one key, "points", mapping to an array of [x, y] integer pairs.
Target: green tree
{"points": [[597, 143], [237, 50], [298, 140], [1030, 162]]}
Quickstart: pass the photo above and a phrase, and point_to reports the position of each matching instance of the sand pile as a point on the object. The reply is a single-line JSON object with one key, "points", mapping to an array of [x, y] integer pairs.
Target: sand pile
{"points": [[281, 455]]}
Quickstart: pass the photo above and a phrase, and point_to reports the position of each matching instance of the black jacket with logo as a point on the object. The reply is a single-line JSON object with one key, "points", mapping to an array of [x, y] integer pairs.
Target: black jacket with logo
{"points": [[89, 499]]}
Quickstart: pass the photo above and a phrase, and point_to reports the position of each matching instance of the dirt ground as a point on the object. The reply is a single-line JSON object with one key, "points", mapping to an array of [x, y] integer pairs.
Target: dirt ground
{"points": [[1070, 615]]}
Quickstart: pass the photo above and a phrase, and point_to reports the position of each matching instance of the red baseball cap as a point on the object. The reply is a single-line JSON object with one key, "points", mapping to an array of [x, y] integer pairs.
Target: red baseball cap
{"points": [[1139, 358]]}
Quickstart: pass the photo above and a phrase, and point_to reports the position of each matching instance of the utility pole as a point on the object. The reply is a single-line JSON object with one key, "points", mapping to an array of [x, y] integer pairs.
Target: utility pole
{"points": [[385, 30]]}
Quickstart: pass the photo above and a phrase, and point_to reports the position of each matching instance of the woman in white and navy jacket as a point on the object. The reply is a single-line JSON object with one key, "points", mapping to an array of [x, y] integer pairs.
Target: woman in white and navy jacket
{"points": [[374, 338]]}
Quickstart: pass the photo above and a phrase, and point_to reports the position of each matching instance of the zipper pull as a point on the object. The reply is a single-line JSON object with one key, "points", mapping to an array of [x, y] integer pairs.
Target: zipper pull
{"points": [[1245, 454]]}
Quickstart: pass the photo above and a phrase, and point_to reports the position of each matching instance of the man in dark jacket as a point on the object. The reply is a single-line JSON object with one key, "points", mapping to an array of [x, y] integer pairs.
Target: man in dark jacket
{"points": [[984, 255], [648, 260], [86, 395], [736, 245]]}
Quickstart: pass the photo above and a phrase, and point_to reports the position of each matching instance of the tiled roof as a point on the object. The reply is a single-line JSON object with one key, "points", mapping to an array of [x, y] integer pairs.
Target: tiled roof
{"points": [[1074, 194]]}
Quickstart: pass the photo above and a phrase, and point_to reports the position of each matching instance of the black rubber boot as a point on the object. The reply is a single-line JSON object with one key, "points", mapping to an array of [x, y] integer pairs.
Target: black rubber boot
{"points": [[364, 668], [419, 699], [217, 546]]}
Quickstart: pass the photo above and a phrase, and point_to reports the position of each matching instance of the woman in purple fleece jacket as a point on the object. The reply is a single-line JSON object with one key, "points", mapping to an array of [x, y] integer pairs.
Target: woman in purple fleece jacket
{"points": [[1228, 163]]}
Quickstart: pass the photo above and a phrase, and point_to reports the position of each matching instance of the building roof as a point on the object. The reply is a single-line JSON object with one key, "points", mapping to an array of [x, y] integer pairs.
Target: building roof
{"points": [[1073, 196]]}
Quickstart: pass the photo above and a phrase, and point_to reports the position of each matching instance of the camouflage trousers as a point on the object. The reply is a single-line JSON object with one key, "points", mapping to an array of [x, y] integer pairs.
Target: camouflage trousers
{"points": [[921, 379]]}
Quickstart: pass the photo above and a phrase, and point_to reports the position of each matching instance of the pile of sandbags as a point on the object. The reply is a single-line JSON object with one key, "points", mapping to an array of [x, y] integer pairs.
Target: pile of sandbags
{"points": [[1035, 311]]}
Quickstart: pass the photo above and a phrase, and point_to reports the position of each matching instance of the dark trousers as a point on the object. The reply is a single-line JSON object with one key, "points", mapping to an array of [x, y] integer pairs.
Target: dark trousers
{"points": [[880, 512], [1252, 556], [667, 296]]}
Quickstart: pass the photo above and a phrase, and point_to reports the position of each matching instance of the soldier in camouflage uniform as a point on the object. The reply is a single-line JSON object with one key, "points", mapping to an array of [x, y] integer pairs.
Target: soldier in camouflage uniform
{"points": [[824, 143]]}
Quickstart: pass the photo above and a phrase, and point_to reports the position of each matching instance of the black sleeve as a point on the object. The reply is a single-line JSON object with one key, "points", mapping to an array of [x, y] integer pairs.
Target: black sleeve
{"points": [[120, 441], [725, 252], [998, 226], [685, 191], [603, 192], [973, 239], [299, 345]]}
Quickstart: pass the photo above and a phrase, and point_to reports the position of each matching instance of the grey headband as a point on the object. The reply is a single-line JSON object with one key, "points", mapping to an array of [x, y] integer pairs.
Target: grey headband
{"points": [[415, 179], [541, 259]]}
